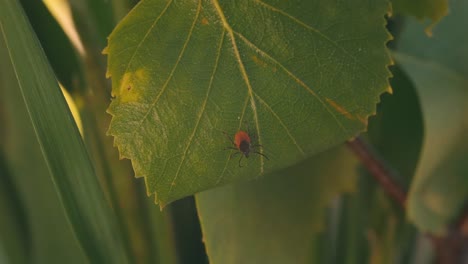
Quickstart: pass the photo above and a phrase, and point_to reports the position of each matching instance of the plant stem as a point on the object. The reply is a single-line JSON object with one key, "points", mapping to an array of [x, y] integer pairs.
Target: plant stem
{"points": [[382, 173], [449, 248]]}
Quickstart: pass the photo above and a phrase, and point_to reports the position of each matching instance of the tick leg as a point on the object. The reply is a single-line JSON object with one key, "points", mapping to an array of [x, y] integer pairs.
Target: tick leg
{"points": [[233, 154], [262, 154], [229, 138], [240, 166], [226, 148]]}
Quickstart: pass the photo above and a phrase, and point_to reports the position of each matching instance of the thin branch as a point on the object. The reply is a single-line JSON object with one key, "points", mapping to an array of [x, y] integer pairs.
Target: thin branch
{"points": [[462, 222], [383, 174], [448, 248]]}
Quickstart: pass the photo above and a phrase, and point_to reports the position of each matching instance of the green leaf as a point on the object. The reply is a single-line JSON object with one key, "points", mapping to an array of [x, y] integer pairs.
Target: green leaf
{"points": [[301, 76], [274, 220], [432, 206], [50, 236], [432, 201], [434, 10], [61, 145], [60, 53], [14, 227], [145, 229], [438, 67]]}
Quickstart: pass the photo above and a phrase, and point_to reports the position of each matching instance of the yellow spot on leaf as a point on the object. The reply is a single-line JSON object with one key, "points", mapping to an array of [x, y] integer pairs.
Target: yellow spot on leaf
{"points": [[261, 63], [205, 21], [339, 108], [258, 61], [130, 86]]}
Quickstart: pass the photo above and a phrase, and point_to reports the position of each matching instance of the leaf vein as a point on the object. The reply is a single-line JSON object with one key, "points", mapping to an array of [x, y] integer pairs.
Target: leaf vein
{"points": [[281, 123], [146, 35], [243, 73], [318, 32], [189, 35], [201, 112], [292, 75], [221, 176]]}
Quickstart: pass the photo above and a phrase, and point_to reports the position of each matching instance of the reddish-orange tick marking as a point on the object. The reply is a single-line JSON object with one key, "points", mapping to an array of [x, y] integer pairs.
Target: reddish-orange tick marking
{"points": [[243, 145]]}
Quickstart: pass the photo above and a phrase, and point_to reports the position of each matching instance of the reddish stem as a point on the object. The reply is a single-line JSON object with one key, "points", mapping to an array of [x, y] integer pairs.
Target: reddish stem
{"points": [[384, 176], [449, 249]]}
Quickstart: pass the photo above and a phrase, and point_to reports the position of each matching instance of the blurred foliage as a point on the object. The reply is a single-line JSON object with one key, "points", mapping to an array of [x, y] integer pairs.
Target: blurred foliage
{"points": [[324, 209], [438, 67]]}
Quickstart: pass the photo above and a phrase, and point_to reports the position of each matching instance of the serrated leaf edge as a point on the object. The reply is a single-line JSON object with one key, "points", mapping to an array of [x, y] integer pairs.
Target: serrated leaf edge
{"points": [[363, 119]]}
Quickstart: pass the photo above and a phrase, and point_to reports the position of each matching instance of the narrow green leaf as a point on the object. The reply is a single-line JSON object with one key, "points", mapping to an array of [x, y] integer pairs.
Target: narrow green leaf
{"points": [[14, 227], [3, 255], [51, 237], [60, 53], [147, 232], [161, 242], [60, 142], [275, 219], [300, 76], [434, 10]]}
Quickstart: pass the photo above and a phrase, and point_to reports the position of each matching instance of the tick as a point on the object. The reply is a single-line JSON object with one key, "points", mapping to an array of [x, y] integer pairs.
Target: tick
{"points": [[243, 144]]}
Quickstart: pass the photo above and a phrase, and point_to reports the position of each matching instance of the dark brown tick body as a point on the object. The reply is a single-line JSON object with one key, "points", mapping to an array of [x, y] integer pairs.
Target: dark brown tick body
{"points": [[242, 144]]}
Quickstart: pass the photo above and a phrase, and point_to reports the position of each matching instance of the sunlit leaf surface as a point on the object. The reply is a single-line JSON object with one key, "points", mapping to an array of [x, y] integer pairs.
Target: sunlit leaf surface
{"points": [[299, 76]]}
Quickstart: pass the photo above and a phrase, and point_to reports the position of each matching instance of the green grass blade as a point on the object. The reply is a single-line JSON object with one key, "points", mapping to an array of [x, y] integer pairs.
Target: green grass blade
{"points": [[62, 147], [14, 227], [50, 233]]}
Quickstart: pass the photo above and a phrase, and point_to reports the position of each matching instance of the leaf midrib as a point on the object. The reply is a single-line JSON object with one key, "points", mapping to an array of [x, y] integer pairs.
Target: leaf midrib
{"points": [[244, 75], [251, 94], [201, 112]]}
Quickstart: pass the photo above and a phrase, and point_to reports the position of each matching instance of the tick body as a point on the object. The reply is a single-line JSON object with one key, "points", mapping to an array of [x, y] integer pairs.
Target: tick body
{"points": [[243, 144]]}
